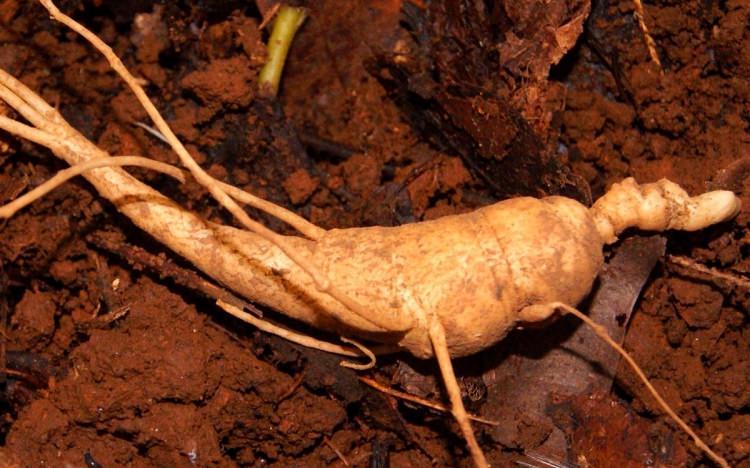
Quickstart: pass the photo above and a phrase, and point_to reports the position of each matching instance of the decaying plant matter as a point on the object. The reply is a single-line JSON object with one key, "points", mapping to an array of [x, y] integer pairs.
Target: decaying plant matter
{"points": [[443, 288]]}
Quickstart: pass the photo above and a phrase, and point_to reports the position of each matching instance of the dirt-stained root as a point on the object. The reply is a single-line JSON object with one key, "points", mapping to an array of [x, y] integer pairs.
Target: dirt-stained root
{"points": [[474, 276], [434, 275], [443, 288]]}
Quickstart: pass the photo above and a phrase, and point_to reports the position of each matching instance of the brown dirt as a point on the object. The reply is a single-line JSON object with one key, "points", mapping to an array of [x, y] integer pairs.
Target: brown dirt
{"points": [[142, 370]]}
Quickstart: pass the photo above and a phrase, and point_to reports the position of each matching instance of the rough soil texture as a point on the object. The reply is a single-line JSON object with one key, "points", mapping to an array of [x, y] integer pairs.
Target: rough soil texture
{"points": [[114, 362]]}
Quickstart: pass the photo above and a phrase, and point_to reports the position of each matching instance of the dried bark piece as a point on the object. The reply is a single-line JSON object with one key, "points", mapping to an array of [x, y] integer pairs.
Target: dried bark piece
{"points": [[473, 79]]}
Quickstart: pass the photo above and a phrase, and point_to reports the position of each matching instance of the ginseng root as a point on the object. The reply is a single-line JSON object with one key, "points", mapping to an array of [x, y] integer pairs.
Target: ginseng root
{"points": [[444, 288]]}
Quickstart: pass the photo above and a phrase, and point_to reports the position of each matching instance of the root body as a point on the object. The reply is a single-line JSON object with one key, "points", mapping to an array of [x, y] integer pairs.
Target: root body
{"points": [[443, 288]]}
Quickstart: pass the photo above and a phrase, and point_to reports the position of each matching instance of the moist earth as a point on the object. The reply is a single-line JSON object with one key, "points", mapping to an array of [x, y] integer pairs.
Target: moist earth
{"points": [[112, 358]]}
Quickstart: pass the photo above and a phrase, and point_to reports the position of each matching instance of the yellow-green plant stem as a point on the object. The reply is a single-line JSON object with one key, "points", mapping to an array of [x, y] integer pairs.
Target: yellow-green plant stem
{"points": [[285, 26]]}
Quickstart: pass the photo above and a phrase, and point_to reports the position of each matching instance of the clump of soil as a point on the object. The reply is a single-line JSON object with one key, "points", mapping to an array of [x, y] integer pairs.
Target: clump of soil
{"points": [[124, 364]]}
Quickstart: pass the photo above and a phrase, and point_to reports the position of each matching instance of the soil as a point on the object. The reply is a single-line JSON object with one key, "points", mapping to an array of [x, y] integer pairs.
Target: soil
{"points": [[114, 359]]}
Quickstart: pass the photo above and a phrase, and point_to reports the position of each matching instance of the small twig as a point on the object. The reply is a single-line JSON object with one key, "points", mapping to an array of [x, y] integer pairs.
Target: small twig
{"points": [[690, 264], [28, 366], [295, 385], [114, 315], [341, 456], [650, 43], [15, 373], [419, 400], [268, 15], [420, 169], [339, 151]]}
